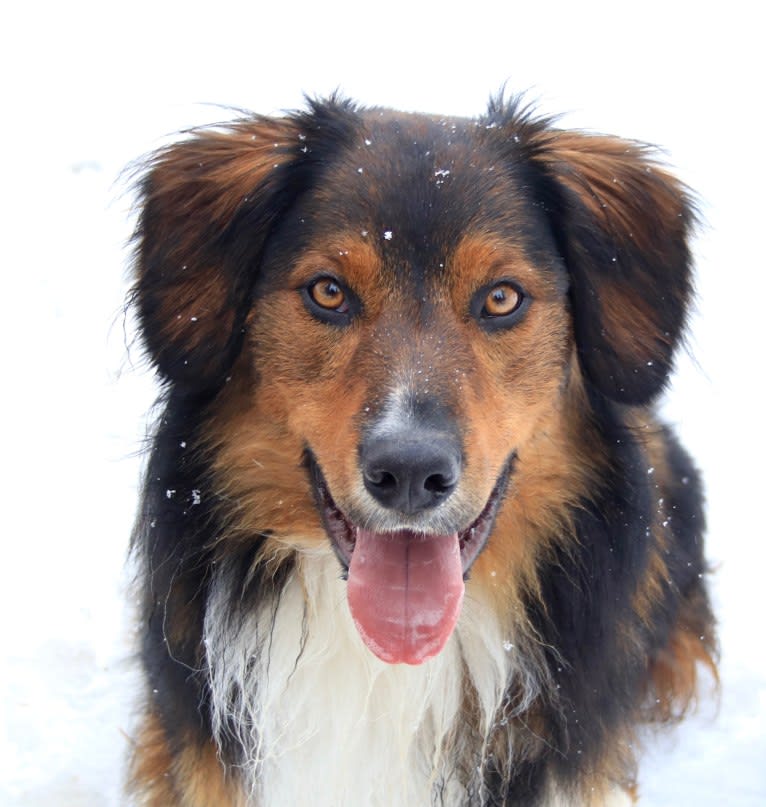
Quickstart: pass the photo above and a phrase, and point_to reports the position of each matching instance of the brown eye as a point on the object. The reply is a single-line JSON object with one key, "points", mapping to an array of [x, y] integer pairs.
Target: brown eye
{"points": [[327, 294], [502, 299], [328, 300], [500, 305]]}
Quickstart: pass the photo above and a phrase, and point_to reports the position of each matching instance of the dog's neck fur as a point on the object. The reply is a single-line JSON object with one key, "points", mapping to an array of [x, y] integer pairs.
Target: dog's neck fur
{"points": [[321, 721]]}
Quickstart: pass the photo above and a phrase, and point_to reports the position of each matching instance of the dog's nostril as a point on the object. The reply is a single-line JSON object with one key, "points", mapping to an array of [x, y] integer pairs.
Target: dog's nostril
{"points": [[381, 479], [438, 484]]}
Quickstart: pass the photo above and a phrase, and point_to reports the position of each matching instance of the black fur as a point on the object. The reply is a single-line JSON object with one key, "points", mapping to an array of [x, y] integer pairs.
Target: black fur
{"points": [[597, 649]]}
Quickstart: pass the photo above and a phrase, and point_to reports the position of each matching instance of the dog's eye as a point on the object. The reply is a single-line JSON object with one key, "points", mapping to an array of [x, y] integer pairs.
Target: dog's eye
{"points": [[500, 305], [328, 300], [503, 299], [328, 294]]}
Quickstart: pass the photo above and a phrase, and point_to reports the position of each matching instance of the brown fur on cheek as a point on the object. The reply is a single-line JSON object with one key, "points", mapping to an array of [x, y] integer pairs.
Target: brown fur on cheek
{"points": [[534, 412], [544, 488], [302, 365], [257, 464], [271, 412], [519, 372], [515, 392]]}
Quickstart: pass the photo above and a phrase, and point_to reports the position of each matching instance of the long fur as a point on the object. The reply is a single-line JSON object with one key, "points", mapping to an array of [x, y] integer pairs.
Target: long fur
{"points": [[585, 613], [293, 679]]}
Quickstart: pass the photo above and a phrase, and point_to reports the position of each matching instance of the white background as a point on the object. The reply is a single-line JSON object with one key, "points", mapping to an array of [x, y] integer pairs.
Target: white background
{"points": [[86, 88]]}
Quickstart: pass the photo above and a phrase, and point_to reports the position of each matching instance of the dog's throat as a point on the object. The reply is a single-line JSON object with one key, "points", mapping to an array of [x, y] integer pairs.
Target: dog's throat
{"points": [[405, 590]]}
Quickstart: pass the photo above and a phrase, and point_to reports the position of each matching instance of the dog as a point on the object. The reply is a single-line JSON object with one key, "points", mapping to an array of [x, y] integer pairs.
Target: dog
{"points": [[412, 532]]}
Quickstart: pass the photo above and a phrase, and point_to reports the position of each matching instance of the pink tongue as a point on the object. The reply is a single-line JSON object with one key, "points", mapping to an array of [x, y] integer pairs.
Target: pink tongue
{"points": [[405, 592]]}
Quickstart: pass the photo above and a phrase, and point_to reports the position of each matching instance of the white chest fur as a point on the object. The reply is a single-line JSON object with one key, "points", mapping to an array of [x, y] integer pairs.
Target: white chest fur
{"points": [[322, 721]]}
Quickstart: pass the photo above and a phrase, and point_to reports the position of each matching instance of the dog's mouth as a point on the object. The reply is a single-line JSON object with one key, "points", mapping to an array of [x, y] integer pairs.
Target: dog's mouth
{"points": [[405, 587]]}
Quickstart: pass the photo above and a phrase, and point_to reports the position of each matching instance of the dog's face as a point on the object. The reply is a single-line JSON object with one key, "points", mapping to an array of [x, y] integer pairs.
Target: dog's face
{"points": [[398, 305], [415, 324]]}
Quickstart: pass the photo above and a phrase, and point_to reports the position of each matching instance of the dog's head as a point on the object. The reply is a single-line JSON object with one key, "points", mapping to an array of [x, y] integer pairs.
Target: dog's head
{"points": [[384, 312]]}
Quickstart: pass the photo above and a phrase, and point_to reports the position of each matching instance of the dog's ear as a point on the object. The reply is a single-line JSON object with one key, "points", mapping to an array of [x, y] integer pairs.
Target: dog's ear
{"points": [[622, 224], [195, 264]]}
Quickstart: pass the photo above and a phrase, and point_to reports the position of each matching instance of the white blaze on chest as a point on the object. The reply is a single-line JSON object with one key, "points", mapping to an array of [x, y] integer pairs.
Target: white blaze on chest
{"points": [[323, 721]]}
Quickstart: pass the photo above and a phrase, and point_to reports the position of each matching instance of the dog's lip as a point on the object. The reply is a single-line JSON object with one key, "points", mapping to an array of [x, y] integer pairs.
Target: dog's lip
{"points": [[342, 531]]}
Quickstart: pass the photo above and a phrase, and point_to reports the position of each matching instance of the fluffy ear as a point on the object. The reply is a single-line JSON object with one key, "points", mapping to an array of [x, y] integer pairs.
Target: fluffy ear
{"points": [[195, 263], [622, 225]]}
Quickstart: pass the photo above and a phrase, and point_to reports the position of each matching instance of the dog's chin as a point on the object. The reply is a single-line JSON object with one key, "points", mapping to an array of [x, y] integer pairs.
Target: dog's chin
{"points": [[343, 531]]}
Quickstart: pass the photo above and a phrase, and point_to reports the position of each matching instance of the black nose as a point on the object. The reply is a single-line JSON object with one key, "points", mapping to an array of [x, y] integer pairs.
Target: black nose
{"points": [[412, 471]]}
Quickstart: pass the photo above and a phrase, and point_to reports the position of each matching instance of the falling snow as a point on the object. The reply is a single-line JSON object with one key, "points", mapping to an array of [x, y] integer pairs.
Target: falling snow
{"points": [[67, 666]]}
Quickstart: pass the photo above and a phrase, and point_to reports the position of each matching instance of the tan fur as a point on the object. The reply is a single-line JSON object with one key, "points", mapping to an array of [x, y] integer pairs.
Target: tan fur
{"points": [[191, 777], [196, 187], [620, 182], [675, 671], [673, 685], [286, 383]]}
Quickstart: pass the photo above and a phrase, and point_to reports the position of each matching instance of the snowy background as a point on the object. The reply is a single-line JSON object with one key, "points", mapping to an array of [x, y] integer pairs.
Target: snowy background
{"points": [[89, 87]]}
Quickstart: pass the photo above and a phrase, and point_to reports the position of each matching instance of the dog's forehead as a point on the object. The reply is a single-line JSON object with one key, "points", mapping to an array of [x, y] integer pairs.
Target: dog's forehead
{"points": [[414, 189], [422, 181]]}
